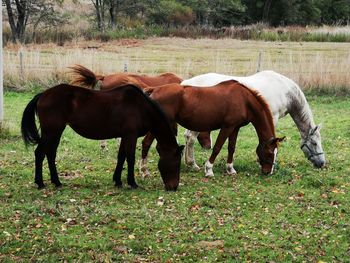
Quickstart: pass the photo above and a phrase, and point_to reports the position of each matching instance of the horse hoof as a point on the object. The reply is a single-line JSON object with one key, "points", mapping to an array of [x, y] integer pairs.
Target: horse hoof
{"points": [[145, 174], [41, 186], [58, 185], [119, 185], [231, 172], [133, 186], [193, 166], [209, 174], [196, 167]]}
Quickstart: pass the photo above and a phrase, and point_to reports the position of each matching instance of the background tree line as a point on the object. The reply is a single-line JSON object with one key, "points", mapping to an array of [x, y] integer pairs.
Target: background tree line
{"points": [[111, 14], [220, 13]]}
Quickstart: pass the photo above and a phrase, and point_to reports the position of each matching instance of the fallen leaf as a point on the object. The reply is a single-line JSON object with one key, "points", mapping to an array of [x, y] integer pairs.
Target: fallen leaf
{"points": [[211, 244], [6, 233]]}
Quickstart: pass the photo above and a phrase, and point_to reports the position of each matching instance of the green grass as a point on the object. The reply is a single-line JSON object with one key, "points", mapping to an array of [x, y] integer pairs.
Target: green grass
{"points": [[298, 214]]}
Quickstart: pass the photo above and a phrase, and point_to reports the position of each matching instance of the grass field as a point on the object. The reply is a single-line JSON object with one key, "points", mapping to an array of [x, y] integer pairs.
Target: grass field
{"points": [[298, 214]]}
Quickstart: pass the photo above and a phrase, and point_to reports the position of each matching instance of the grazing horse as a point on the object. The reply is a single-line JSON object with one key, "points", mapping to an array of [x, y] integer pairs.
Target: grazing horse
{"points": [[226, 106], [124, 112], [86, 78], [283, 96]]}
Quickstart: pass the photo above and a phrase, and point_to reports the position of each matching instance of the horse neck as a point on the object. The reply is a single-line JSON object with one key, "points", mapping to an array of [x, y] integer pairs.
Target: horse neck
{"points": [[262, 122], [301, 113], [163, 133]]}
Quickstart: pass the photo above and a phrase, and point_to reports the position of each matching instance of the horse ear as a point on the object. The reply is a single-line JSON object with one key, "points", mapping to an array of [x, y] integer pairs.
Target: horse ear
{"points": [[278, 139], [281, 139]]}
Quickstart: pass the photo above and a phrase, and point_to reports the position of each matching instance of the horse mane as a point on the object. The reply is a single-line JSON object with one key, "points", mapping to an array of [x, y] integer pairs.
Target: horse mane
{"points": [[154, 104], [261, 100], [305, 112], [83, 76]]}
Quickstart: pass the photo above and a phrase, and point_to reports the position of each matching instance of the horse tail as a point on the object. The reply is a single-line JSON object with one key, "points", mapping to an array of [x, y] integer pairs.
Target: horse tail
{"points": [[30, 132], [84, 77]]}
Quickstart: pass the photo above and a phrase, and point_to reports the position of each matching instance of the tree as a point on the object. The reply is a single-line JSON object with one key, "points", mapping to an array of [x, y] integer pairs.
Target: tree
{"points": [[226, 12], [334, 11], [100, 9], [21, 13], [216, 12], [170, 12]]}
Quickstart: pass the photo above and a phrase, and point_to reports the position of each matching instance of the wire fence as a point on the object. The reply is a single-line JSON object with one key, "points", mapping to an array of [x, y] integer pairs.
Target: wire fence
{"points": [[308, 67]]}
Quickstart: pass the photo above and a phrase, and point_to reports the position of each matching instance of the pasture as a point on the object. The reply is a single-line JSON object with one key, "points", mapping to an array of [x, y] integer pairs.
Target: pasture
{"points": [[298, 214]]}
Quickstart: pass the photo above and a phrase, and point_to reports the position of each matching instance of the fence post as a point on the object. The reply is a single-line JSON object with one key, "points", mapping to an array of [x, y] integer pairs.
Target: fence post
{"points": [[21, 64], [259, 62]]}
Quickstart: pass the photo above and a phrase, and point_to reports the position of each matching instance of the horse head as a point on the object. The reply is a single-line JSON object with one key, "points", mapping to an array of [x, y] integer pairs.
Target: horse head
{"points": [[267, 154], [169, 167], [312, 147]]}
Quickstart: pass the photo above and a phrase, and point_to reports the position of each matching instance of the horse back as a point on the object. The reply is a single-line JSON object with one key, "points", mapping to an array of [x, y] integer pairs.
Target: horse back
{"points": [[94, 114]]}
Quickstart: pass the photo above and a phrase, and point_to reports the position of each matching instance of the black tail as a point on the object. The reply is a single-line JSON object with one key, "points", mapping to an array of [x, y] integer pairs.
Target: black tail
{"points": [[30, 132]]}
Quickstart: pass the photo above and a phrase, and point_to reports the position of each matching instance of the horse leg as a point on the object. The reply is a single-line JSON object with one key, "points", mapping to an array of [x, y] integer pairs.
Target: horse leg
{"points": [[130, 147], [190, 137], [223, 134], [204, 139], [51, 157], [231, 150], [117, 176], [39, 158], [146, 144]]}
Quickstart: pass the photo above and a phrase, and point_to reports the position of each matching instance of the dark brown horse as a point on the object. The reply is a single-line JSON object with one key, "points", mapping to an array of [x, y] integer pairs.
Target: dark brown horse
{"points": [[124, 112], [84, 77], [226, 106]]}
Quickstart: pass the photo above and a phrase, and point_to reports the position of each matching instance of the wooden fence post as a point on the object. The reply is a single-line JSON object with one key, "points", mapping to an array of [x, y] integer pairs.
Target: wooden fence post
{"points": [[21, 70], [259, 62]]}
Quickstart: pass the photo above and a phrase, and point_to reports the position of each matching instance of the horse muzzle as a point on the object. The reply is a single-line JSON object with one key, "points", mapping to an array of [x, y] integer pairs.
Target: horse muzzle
{"points": [[319, 164], [266, 170]]}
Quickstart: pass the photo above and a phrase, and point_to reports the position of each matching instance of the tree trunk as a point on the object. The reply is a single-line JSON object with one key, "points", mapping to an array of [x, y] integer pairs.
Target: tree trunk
{"points": [[99, 8], [22, 19], [17, 27], [266, 10], [11, 20], [113, 13]]}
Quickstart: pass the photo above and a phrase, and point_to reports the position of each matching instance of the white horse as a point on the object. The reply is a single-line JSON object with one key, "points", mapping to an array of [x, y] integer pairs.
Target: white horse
{"points": [[283, 96]]}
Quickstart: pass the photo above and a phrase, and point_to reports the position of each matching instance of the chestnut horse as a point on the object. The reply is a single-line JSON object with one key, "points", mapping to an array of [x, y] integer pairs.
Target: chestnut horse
{"points": [[124, 112], [284, 96], [84, 77], [226, 106]]}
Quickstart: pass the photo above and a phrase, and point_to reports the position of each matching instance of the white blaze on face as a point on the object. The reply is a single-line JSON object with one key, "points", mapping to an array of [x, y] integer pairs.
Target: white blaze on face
{"points": [[274, 160]]}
